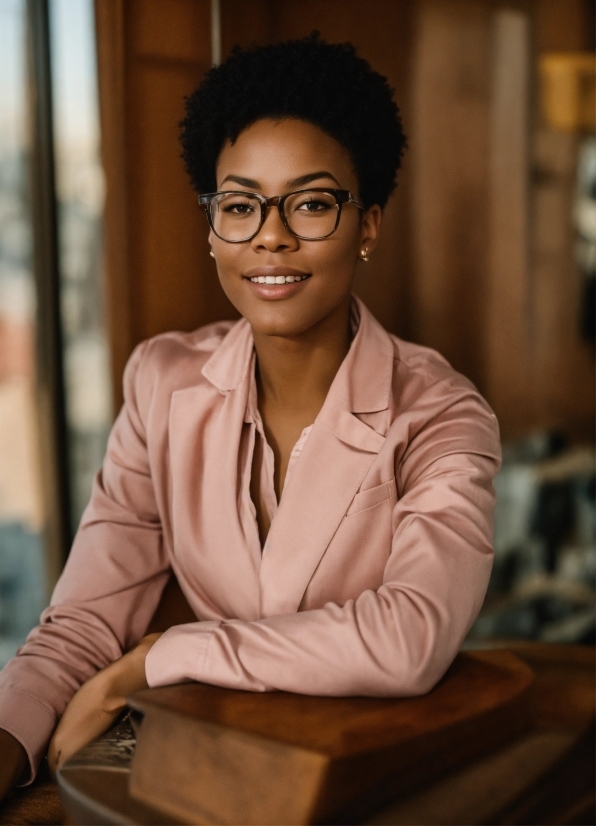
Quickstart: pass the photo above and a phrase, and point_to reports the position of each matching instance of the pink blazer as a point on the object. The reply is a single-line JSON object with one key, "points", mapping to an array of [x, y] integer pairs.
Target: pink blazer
{"points": [[375, 566]]}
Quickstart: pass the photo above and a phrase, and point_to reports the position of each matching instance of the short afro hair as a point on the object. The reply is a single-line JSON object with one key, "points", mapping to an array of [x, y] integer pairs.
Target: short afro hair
{"points": [[326, 84]]}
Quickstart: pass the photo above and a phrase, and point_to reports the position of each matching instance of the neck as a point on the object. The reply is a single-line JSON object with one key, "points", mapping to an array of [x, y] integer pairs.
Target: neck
{"points": [[295, 373]]}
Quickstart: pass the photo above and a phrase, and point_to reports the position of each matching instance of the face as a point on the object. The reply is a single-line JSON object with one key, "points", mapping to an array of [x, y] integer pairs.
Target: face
{"points": [[273, 158]]}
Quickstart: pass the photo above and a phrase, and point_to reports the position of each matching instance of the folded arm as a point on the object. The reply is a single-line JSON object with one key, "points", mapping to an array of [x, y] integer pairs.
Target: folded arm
{"points": [[399, 639]]}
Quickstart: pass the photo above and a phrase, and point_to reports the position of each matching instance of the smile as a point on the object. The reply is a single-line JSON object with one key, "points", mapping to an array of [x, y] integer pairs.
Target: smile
{"points": [[277, 279]]}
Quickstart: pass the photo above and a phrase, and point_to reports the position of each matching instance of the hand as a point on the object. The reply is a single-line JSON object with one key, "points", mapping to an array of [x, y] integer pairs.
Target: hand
{"points": [[13, 763], [98, 703]]}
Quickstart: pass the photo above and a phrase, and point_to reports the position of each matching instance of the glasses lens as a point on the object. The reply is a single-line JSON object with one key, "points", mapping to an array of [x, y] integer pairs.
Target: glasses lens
{"points": [[311, 214], [235, 216]]}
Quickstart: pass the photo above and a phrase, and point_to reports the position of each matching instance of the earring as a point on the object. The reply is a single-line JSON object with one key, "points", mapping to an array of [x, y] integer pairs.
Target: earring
{"points": [[364, 254], [211, 253]]}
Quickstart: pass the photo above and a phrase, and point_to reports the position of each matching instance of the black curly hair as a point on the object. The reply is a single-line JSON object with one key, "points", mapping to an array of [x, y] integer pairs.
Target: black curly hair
{"points": [[326, 84]]}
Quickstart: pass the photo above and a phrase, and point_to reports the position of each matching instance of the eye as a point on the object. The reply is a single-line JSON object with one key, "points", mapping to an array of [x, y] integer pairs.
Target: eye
{"points": [[239, 205], [239, 208], [314, 203]]}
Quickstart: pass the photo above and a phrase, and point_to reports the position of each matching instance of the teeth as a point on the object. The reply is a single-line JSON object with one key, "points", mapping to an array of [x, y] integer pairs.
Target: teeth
{"points": [[277, 279]]}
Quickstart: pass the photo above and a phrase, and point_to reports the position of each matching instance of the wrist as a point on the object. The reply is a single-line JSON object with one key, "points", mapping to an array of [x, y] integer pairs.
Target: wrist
{"points": [[127, 675]]}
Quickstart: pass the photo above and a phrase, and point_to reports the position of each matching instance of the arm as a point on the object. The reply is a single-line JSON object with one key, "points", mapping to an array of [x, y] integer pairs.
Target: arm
{"points": [[400, 639], [106, 595]]}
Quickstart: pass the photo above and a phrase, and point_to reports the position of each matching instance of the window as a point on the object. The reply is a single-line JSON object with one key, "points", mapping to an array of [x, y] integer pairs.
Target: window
{"points": [[26, 506]]}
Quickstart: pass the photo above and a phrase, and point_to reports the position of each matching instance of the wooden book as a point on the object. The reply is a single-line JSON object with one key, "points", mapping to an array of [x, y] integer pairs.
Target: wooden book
{"points": [[488, 745], [209, 755]]}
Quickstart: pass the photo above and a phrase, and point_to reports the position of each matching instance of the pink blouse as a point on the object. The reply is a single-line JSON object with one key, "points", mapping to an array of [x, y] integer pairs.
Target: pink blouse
{"points": [[377, 558], [247, 446]]}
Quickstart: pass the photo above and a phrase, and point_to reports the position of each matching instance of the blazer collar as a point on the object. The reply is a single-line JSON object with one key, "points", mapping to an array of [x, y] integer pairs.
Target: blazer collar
{"points": [[229, 364], [362, 383]]}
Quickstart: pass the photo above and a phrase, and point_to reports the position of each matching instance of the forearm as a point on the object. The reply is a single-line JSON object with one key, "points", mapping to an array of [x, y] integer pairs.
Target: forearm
{"points": [[387, 643], [395, 641], [96, 706]]}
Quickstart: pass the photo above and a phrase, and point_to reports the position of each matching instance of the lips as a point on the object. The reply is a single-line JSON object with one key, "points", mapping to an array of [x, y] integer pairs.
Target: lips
{"points": [[276, 279], [264, 275], [275, 282]]}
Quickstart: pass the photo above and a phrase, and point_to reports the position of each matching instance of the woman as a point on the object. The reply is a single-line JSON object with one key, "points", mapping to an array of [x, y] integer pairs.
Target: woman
{"points": [[321, 489]]}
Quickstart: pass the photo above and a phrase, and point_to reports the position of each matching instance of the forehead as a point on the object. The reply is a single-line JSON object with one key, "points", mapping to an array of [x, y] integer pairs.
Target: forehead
{"points": [[273, 153]]}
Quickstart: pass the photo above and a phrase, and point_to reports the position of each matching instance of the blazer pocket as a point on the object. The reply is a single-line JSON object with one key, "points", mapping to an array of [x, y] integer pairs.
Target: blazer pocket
{"points": [[366, 499]]}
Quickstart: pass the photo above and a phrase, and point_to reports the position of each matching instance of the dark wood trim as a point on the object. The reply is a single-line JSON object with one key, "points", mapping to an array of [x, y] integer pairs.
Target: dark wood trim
{"points": [[510, 305], [111, 60], [49, 349]]}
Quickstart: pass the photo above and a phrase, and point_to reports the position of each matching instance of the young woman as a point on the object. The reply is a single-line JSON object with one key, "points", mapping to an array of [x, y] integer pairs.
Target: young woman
{"points": [[321, 490]]}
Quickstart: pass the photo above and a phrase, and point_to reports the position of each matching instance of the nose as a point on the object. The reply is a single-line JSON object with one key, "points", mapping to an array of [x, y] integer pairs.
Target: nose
{"points": [[274, 235]]}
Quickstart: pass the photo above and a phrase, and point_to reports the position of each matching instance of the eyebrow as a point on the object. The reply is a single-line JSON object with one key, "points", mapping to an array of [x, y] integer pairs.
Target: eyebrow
{"points": [[301, 181], [242, 181], [313, 176]]}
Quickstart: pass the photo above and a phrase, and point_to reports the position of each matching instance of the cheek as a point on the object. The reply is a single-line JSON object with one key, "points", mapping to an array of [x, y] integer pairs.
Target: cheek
{"points": [[230, 262], [336, 259], [337, 256]]}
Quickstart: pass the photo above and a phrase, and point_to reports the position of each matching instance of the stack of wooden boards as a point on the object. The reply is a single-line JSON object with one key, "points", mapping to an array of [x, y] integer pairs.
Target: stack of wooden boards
{"points": [[506, 737]]}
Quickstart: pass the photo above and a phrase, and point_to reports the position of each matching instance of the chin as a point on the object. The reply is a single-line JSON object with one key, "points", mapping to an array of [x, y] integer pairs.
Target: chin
{"points": [[291, 317], [275, 323]]}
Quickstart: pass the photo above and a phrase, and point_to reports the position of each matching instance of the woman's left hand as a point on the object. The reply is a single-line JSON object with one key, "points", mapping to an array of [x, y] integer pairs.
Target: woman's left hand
{"points": [[99, 702]]}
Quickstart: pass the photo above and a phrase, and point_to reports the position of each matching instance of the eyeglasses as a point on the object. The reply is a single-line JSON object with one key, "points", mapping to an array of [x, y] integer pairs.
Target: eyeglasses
{"points": [[309, 214]]}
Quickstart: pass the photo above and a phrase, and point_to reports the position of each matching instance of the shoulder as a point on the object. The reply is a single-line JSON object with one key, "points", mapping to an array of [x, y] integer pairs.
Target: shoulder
{"points": [[422, 375], [173, 360], [175, 349], [436, 410]]}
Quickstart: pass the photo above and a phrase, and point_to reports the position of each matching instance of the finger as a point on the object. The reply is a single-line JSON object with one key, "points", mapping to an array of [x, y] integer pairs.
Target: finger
{"points": [[73, 734]]}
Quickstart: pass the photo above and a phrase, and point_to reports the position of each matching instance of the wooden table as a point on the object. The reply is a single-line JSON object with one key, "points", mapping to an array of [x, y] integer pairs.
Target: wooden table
{"points": [[506, 737]]}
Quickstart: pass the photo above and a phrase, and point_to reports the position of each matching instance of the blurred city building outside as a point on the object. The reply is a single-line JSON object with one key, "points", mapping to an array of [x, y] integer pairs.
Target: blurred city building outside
{"points": [[24, 583], [80, 192], [22, 575]]}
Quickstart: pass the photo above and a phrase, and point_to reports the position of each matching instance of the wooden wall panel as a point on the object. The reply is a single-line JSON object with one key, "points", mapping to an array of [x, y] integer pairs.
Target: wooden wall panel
{"points": [[562, 364], [168, 242], [159, 274], [508, 312], [493, 279], [178, 30], [451, 81]]}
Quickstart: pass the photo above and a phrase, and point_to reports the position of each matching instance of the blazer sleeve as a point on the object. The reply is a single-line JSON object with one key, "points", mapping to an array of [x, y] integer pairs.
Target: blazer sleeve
{"points": [[395, 641], [108, 590]]}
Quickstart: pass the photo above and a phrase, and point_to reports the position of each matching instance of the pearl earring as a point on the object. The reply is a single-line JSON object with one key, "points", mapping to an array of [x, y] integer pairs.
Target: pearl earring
{"points": [[364, 254], [211, 253]]}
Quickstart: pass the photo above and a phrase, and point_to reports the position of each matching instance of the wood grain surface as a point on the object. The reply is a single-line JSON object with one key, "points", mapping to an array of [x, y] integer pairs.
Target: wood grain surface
{"points": [[332, 758], [535, 768]]}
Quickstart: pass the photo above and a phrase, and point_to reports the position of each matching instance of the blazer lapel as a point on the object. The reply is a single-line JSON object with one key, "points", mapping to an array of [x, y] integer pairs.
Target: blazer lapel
{"points": [[333, 464], [205, 431], [323, 483]]}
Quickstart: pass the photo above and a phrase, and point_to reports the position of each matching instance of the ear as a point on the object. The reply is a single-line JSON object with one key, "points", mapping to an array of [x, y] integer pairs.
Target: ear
{"points": [[370, 227]]}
